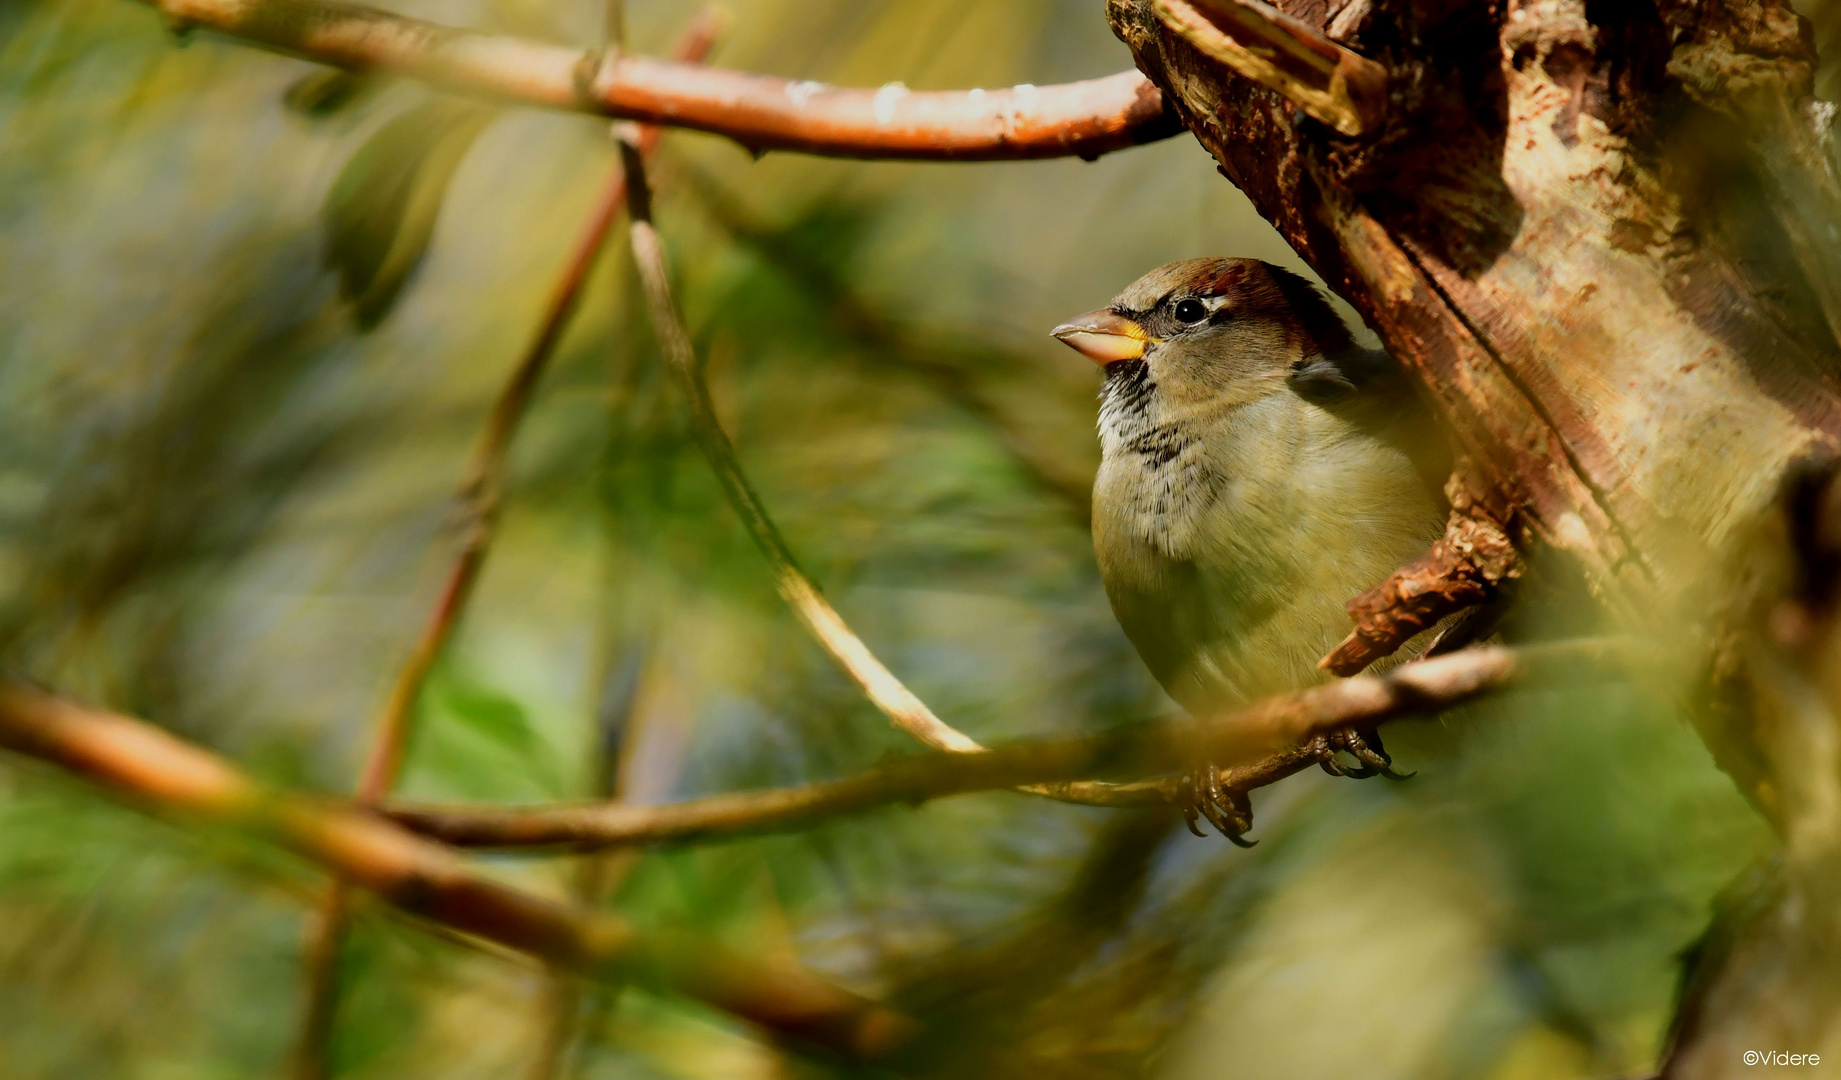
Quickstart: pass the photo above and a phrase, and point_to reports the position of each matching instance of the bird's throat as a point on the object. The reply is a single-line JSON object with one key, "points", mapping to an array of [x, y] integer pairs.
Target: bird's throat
{"points": [[1127, 393]]}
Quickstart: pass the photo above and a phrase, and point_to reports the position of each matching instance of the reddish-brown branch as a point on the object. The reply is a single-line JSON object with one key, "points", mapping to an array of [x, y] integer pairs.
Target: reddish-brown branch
{"points": [[1258, 745], [1082, 119], [1466, 567], [133, 758]]}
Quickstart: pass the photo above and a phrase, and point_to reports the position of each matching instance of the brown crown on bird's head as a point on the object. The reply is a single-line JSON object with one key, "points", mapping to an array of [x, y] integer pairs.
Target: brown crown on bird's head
{"points": [[1196, 294]]}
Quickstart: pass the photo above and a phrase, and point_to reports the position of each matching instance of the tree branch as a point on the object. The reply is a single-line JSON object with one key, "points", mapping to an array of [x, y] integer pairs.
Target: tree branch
{"points": [[1083, 119], [1261, 744], [133, 758], [1330, 83]]}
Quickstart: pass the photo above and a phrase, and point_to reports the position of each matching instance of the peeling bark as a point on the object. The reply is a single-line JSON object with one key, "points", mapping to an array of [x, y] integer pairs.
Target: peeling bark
{"points": [[1468, 566], [1333, 84]]}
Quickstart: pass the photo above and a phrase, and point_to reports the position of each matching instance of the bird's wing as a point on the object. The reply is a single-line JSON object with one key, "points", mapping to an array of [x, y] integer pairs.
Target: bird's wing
{"points": [[1368, 373], [1369, 388]]}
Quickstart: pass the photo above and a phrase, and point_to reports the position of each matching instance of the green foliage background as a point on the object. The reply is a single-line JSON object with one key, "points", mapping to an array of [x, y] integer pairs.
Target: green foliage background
{"points": [[226, 508]]}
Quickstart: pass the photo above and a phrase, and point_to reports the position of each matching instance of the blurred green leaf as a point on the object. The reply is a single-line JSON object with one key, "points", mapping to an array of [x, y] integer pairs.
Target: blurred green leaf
{"points": [[477, 741], [320, 94], [381, 212], [493, 715]]}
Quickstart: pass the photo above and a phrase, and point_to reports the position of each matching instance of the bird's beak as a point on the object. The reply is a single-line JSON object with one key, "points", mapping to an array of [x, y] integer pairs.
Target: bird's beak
{"points": [[1103, 337]]}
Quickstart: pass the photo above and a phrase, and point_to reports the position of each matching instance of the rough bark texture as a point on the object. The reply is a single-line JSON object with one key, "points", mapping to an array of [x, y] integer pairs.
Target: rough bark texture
{"points": [[1607, 239], [1468, 566]]}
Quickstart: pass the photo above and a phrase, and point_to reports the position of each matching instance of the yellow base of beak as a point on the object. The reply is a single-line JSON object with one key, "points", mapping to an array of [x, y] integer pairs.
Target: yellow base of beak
{"points": [[1103, 337]]}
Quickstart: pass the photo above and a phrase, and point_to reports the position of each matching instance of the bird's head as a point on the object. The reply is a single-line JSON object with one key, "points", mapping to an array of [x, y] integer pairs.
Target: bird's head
{"points": [[1209, 331]]}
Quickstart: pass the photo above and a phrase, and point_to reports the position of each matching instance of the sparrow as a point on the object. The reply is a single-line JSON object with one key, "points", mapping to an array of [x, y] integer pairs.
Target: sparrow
{"points": [[1258, 469]]}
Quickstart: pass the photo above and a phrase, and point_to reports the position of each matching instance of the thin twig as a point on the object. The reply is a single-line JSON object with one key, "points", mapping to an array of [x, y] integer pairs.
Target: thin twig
{"points": [[597, 876], [1329, 82], [1258, 745], [882, 687], [133, 758], [481, 496], [613, 31], [1082, 119]]}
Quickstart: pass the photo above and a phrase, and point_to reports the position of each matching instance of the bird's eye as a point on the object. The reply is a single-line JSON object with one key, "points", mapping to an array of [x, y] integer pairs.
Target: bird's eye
{"points": [[1191, 311]]}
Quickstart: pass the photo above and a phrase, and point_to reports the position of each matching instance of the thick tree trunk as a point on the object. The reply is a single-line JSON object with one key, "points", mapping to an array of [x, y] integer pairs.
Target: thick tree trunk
{"points": [[1606, 237]]}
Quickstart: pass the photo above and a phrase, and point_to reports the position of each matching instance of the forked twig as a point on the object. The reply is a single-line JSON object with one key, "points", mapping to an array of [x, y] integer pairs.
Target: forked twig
{"points": [[481, 497], [596, 877], [134, 758]]}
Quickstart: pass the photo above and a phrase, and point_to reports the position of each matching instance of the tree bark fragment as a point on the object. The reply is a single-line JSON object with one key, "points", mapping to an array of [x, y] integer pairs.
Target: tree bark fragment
{"points": [[1468, 566]]}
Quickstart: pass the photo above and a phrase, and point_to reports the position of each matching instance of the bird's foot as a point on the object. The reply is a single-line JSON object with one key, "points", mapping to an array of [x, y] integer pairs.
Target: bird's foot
{"points": [[1365, 747], [1227, 809]]}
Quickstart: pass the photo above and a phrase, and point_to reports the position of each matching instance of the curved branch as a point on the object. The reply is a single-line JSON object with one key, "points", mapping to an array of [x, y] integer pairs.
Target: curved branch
{"points": [[1082, 119], [1263, 744], [132, 757]]}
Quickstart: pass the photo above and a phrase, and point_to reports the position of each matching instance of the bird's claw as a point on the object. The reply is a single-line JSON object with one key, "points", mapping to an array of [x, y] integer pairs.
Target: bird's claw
{"points": [[1228, 810], [1364, 748]]}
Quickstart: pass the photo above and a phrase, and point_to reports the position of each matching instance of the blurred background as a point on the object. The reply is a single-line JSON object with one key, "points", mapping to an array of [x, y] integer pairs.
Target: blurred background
{"points": [[251, 320]]}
